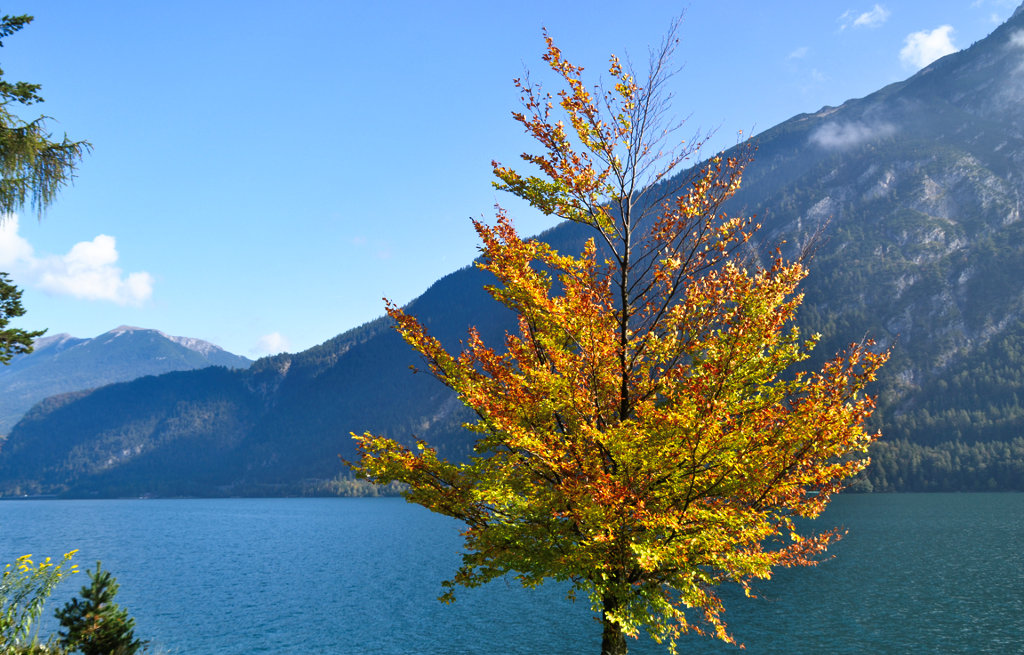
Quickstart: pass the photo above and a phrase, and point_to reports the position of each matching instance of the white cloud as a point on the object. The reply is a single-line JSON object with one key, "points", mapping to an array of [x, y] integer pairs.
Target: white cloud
{"points": [[799, 53], [874, 18], [88, 271], [271, 344], [1013, 85], [13, 248], [839, 136], [922, 48]]}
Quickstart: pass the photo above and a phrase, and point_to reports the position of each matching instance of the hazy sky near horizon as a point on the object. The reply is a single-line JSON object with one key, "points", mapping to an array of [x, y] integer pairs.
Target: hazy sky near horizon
{"points": [[263, 174]]}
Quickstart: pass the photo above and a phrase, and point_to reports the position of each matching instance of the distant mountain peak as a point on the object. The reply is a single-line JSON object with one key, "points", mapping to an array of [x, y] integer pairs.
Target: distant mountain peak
{"points": [[198, 345], [51, 340], [62, 363]]}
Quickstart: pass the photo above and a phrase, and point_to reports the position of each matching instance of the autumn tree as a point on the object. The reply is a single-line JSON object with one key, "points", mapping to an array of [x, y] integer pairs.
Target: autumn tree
{"points": [[653, 429], [33, 168]]}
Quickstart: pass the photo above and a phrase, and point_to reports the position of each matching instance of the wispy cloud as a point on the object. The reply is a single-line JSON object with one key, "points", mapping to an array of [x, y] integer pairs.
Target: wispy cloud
{"points": [[88, 271], [1013, 84], [922, 48], [877, 16], [840, 136], [271, 344], [874, 18], [994, 17], [799, 53]]}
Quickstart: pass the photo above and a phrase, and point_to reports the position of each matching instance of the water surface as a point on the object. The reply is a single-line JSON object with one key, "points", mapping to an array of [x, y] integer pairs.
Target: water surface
{"points": [[924, 573]]}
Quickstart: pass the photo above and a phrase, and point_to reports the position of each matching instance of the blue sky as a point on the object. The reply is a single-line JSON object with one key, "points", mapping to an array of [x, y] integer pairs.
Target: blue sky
{"points": [[263, 173]]}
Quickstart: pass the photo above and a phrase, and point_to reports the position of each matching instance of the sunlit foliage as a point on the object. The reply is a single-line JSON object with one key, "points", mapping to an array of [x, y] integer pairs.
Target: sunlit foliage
{"points": [[24, 588], [650, 431]]}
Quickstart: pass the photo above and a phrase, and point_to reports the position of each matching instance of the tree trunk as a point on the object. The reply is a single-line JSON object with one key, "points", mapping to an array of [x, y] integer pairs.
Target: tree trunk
{"points": [[613, 641]]}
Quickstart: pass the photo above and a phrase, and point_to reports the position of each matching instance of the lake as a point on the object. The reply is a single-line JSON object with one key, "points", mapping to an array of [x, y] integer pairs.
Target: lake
{"points": [[917, 573]]}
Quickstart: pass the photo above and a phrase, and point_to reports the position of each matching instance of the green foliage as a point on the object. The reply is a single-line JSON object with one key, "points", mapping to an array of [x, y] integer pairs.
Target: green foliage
{"points": [[22, 92], [903, 465], [346, 485], [35, 648], [33, 168], [24, 588], [13, 341], [96, 625]]}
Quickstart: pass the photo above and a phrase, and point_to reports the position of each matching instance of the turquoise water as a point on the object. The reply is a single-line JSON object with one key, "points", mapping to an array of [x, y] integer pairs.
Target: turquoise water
{"points": [[917, 573]]}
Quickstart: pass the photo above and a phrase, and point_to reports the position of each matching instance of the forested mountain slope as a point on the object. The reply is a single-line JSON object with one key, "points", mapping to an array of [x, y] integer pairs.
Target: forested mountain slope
{"points": [[63, 363], [916, 190]]}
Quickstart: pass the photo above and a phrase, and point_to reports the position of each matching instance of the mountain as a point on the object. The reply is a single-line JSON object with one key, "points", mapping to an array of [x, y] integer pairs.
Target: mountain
{"points": [[62, 363], [915, 190]]}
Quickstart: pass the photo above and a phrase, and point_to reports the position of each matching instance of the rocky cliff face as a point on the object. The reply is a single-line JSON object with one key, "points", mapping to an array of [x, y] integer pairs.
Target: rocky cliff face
{"points": [[918, 190]]}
